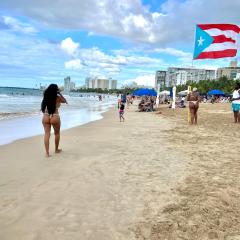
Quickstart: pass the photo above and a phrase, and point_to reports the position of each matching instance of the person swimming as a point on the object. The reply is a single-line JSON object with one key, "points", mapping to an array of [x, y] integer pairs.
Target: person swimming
{"points": [[51, 102]]}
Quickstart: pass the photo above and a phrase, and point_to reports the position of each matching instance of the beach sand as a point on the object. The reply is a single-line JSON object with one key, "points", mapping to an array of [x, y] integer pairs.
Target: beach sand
{"points": [[207, 202], [151, 177]]}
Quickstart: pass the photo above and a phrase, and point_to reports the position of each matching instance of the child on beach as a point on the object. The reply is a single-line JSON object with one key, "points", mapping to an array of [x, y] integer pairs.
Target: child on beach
{"points": [[121, 112]]}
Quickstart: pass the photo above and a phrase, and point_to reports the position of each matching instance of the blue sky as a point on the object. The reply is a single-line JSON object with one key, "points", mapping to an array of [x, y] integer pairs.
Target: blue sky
{"points": [[42, 42]]}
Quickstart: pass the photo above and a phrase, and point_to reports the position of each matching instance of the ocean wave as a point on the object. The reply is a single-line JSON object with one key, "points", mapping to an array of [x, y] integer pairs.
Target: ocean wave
{"points": [[10, 115], [4, 96]]}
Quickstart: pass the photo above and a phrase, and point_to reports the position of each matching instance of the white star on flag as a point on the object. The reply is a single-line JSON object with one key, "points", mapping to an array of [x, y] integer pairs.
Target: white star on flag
{"points": [[200, 41]]}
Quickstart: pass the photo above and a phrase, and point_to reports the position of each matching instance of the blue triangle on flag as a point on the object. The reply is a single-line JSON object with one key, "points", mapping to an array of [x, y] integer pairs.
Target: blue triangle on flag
{"points": [[202, 41]]}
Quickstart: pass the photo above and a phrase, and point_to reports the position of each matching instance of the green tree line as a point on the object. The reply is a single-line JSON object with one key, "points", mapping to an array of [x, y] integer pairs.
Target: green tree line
{"points": [[105, 91], [223, 83]]}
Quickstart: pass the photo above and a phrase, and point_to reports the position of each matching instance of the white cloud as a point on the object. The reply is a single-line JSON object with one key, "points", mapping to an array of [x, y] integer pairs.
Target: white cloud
{"points": [[94, 59], [69, 46], [96, 62], [18, 26], [73, 64], [23, 60], [209, 67], [129, 20], [173, 52], [123, 52], [146, 80], [91, 34]]}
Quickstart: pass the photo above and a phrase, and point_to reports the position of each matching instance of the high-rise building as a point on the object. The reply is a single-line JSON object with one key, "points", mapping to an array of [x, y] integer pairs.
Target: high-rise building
{"points": [[112, 84], [100, 83], [178, 76], [68, 84], [160, 79], [231, 72], [103, 83], [233, 64]]}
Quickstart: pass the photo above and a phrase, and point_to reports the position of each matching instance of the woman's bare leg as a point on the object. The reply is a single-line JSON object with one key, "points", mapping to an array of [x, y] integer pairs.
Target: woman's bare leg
{"points": [[192, 112], [47, 130], [236, 116], [56, 123], [196, 116]]}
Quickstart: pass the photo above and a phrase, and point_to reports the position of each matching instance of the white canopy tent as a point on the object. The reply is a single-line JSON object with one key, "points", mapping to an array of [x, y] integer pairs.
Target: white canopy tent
{"points": [[165, 92], [184, 93]]}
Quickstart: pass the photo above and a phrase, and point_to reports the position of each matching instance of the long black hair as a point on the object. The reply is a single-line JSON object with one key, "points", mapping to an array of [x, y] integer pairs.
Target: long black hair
{"points": [[49, 99]]}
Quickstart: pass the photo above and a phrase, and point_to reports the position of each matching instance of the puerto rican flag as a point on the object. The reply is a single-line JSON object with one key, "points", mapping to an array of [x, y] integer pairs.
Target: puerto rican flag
{"points": [[216, 41]]}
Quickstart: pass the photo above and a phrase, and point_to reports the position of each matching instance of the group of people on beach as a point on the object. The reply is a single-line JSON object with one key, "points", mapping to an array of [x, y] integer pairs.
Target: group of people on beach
{"points": [[52, 99], [147, 103], [194, 100]]}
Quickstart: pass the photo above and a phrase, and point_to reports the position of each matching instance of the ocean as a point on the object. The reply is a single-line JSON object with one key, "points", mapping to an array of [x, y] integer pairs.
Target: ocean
{"points": [[20, 114]]}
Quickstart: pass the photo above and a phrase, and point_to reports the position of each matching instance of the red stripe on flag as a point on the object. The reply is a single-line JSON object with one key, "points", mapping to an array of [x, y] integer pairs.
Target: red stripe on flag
{"points": [[218, 54], [222, 39], [223, 27]]}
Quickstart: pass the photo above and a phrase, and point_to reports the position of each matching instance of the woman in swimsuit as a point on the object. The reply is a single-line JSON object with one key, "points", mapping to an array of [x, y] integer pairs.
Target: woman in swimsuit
{"points": [[193, 99], [51, 102]]}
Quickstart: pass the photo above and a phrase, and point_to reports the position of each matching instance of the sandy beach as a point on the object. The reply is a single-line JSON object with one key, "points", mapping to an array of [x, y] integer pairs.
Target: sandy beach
{"points": [[152, 177]]}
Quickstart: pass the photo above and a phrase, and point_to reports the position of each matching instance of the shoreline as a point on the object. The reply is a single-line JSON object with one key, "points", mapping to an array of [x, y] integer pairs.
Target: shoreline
{"points": [[89, 116]]}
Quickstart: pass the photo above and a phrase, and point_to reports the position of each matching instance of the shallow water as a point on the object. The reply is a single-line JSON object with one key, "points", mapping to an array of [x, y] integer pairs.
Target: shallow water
{"points": [[20, 115]]}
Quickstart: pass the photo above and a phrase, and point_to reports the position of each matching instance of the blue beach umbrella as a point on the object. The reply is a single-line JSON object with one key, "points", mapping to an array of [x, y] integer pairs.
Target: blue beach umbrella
{"points": [[145, 92], [216, 92]]}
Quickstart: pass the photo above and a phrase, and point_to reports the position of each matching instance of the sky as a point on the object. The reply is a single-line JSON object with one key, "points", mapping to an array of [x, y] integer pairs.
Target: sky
{"points": [[43, 41]]}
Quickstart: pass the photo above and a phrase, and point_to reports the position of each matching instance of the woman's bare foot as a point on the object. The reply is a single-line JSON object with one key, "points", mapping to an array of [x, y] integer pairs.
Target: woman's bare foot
{"points": [[47, 155], [58, 150]]}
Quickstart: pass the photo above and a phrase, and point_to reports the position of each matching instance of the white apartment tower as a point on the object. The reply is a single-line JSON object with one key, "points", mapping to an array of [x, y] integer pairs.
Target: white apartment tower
{"points": [[100, 83]]}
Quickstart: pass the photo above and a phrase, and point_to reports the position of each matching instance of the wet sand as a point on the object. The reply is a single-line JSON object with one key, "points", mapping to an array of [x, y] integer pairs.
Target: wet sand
{"points": [[110, 177]]}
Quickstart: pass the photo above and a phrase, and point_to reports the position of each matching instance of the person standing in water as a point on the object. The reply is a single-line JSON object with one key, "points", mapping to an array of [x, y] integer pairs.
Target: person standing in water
{"points": [[51, 102], [193, 99]]}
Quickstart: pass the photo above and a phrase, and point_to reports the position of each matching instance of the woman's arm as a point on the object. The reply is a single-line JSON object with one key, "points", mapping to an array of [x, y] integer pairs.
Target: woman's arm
{"points": [[62, 98], [233, 99]]}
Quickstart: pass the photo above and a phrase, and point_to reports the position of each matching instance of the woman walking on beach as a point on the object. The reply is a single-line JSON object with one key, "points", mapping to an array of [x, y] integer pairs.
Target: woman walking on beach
{"points": [[193, 99], [236, 103], [51, 102]]}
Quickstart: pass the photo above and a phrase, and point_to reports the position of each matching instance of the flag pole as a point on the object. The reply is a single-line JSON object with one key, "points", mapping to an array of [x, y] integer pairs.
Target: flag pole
{"points": [[194, 45], [174, 97], [158, 90], [189, 115]]}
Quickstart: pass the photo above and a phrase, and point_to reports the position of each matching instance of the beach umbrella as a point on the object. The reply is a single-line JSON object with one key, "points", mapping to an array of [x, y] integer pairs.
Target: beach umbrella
{"points": [[183, 93], [145, 92], [215, 92], [165, 92]]}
